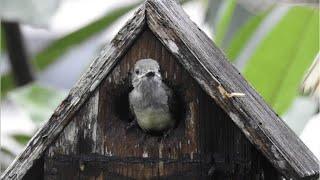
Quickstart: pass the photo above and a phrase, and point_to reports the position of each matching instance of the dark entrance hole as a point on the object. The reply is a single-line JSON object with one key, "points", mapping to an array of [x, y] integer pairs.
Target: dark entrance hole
{"points": [[121, 101]]}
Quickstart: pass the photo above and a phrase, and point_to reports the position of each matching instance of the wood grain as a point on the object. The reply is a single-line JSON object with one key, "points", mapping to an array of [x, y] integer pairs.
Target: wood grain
{"points": [[211, 69], [97, 144]]}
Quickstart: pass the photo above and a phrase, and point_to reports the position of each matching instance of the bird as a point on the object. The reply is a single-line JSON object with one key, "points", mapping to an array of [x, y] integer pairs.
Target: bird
{"points": [[150, 99]]}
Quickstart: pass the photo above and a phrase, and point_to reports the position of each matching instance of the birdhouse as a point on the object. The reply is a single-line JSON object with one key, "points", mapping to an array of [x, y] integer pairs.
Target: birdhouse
{"points": [[223, 128]]}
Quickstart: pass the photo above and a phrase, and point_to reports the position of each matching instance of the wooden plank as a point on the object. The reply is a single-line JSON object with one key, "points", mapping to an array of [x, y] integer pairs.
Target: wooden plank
{"points": [[77, 138], [122, 144], [77, 96], [234, 157], [96, 139], [124, 153], [218, 78]]}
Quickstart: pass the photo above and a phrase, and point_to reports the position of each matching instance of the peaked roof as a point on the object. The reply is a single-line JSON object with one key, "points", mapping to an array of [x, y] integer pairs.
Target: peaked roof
{"points": [[208, 66]]}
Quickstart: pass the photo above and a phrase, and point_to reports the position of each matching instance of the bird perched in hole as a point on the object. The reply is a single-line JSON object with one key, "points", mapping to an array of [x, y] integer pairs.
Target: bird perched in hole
{"points": [[150, 99]]}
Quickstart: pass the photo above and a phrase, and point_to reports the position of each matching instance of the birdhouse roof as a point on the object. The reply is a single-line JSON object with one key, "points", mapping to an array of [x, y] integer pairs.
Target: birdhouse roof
{"points": [[208, 65]]}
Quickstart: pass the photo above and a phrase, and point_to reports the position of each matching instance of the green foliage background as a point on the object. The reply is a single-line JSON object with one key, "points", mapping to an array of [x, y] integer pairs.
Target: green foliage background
{"points": [[277, 66]]}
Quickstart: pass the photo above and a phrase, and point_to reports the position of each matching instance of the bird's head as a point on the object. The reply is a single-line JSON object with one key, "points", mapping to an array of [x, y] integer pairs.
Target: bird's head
{"points": [[145, 70]]}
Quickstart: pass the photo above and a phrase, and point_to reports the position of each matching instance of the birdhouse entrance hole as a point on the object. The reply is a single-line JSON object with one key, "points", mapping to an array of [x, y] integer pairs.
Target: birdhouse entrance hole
{"points": [[120, 101]]}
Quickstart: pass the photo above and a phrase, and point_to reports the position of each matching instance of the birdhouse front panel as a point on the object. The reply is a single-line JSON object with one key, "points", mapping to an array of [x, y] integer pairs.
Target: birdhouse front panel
{"points": [[100, 143], [163, 102]]}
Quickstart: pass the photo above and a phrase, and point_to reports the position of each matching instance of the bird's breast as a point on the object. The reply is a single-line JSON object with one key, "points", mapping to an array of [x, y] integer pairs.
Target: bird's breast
{"points": [[150, 106], [154, 119]]}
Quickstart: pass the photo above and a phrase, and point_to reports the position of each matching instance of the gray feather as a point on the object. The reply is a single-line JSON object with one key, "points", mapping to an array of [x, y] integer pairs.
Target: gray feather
{"points": [[150, 98]]}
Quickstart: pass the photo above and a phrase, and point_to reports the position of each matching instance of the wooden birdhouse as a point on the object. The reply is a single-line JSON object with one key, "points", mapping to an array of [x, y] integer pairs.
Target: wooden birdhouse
{"points": [[223, 130]]}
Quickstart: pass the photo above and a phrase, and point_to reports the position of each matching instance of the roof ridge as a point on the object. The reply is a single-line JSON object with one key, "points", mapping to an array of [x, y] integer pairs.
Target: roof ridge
{"points": [[208, 65]]}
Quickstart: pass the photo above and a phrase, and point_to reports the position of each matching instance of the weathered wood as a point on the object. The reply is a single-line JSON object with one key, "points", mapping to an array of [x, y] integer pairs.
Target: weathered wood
{"points": [[76, 139], [77, 96], [122, 153], [207, 65], [218, 78], [97, 140]]}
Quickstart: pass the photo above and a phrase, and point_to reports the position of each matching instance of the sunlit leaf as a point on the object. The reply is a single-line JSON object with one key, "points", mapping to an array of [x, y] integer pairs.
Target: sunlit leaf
{"points": [[38, 102], [241, 37], [279, 62]]}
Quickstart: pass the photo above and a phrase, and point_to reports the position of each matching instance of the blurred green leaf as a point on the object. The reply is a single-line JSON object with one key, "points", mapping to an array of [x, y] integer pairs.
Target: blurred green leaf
{"points": [[243, 34], [224, 17], [22, 138], [60, 46], [39, 102], [2, 40], [280, 61], [7, 83], [56, 49]]}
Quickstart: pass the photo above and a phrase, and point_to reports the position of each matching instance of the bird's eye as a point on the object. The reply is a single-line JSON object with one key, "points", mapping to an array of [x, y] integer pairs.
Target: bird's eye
{"points": [[137, 71]]}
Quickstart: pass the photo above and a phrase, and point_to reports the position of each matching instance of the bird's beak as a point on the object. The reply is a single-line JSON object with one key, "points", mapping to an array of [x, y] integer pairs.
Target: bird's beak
{"points": [[151, 74]]}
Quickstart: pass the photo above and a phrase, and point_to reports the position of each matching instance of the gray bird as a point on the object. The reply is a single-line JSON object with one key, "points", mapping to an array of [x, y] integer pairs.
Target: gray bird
{"points": [[150, 98]]}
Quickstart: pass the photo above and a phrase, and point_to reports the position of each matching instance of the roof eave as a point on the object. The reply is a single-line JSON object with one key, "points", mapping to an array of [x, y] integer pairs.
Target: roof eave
{"points": [[218, 78]]}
